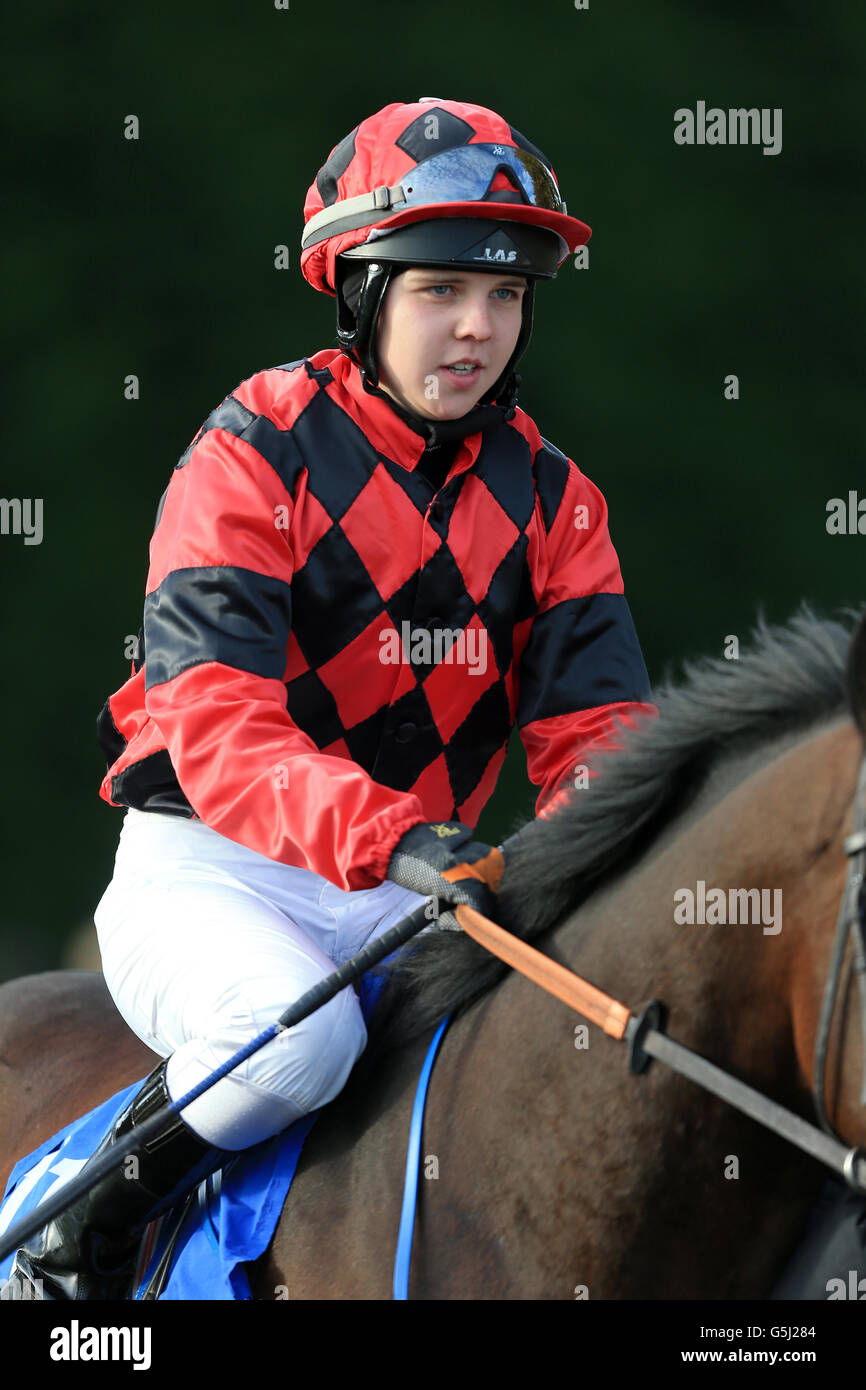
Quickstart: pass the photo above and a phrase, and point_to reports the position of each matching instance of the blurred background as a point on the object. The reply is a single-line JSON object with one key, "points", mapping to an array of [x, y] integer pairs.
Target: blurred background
{"points": [[155, 257]]}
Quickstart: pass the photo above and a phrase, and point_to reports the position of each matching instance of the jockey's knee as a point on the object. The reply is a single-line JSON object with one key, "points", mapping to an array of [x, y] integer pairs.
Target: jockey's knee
{"points": [[299, 1070], [311, 1061]]}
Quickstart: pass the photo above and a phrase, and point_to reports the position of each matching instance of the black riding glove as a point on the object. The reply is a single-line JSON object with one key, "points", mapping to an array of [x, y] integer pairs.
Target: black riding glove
{"points": [[442, 860]]}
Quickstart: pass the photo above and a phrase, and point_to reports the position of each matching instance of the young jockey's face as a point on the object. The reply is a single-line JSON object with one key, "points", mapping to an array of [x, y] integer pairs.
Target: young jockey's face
{"points": [[432, 318]]}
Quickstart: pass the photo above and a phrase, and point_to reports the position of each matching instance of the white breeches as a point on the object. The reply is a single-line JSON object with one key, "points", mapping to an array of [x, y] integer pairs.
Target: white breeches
{"points": [[205, 942]]}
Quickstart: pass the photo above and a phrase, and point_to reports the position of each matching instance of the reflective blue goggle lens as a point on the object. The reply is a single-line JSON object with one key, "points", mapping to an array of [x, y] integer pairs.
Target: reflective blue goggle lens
{"points": [[464, 174]]}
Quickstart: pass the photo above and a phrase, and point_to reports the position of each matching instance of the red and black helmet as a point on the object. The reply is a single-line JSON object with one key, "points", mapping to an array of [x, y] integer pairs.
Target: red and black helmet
{"points": [[432, 182]]}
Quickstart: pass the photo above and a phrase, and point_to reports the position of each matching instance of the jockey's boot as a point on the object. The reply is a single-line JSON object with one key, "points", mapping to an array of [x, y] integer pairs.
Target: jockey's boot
{"points": [[88, 1252]]}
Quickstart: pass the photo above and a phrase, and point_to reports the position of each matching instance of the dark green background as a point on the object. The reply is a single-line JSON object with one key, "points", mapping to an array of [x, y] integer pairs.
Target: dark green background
{"points": [[155, 257]]}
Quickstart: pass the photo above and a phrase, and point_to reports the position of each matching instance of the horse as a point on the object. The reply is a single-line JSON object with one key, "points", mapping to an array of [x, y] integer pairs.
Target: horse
{"points": [[549, 1170]]}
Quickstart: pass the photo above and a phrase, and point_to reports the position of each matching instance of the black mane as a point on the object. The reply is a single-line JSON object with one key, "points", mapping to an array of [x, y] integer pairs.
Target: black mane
{"points": [[791, 677]]}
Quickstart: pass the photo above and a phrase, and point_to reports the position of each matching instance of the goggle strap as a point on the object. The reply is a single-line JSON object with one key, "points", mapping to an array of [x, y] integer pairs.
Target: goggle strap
{"points": [[350, 213]]}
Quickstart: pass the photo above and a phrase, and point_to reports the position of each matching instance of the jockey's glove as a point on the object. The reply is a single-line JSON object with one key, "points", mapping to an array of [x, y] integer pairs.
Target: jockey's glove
{"points": [[442, 860]]}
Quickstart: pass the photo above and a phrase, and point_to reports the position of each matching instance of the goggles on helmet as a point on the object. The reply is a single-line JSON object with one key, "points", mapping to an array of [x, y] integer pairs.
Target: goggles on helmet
{"points": [[463, 174]]}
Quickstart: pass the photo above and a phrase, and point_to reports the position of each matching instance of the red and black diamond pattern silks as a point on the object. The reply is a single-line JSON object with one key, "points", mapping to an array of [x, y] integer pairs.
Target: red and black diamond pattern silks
{"points": [[302, 687]]}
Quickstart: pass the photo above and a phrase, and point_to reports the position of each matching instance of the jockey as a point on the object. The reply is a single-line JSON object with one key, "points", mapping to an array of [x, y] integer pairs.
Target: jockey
{"points": [[367, 567]]}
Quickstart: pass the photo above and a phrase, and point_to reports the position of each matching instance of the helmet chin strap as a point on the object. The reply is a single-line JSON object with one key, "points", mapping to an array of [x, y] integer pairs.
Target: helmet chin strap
{"points": [[356, 333], [448, 431]]}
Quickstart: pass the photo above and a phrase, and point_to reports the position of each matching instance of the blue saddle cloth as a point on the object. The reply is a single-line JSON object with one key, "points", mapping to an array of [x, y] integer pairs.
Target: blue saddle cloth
{"points": [[231, 1221]]}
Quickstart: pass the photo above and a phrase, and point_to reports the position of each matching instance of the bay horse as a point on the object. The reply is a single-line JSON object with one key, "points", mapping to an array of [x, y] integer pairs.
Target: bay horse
{"points": [[549, 1171]]}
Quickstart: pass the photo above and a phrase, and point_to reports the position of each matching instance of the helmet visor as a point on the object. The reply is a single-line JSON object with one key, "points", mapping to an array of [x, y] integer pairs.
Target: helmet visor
{"points": [[465, 173]]}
